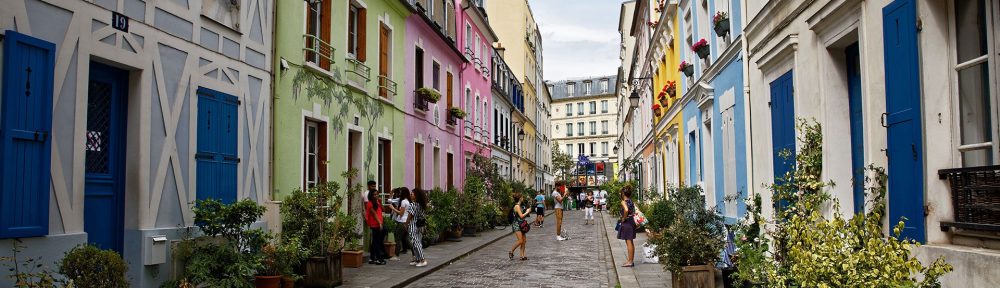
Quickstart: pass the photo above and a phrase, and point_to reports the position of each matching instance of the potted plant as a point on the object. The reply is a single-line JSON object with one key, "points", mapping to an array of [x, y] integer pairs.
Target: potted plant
{"points": [[307, 216], [656, 109], [90, 267], [689, 246], [456, 112], [721, 23], [672, 88], [353, 255], [701, 47], [230, 253], [428, 94], [687, 68], [280, 260], [390, 239], [662, 97]]}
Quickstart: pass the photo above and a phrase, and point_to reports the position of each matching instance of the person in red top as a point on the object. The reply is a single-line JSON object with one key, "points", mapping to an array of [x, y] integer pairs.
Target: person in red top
{"points": [[373, 217]]}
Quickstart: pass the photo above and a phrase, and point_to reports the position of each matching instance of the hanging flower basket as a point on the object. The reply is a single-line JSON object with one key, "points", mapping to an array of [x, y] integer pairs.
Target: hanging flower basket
{"points": [[701, 47], [662, 97], [721, 23], [429, 95], [656, 110], [671, 89], [457, 112], [687, 68]]}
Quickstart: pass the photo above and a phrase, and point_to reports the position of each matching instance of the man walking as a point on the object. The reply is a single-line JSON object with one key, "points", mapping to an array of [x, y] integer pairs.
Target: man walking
{"points": [[540, 208], [558, 196]]}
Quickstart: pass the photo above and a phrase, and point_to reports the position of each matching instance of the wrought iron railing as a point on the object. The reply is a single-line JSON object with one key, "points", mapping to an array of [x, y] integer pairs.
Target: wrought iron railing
{"points": [[359, 69], [318, 51], [386, 87], [419, 103], [975, 197]]}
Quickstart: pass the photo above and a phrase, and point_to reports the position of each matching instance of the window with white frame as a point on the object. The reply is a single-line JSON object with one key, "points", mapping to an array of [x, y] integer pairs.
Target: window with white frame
{"points": [[569, 130], [581, 149], [570, 89], [604, 85], [569, 109], [604, 127], [569, 149], [976, 119], [579, 128], [586, 88], [604, 106], [579, 108], [604, 148], [468, 38]]}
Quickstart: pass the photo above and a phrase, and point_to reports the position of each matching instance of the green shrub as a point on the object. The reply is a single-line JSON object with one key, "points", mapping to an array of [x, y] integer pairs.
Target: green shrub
{"points": [[694, 237], [812, 250], [660, 214], [235, 257], [90, 267]]}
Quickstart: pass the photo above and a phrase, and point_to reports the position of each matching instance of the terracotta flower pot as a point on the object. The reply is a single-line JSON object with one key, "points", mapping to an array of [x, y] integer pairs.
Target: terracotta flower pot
{"points": [[287, 282], [353, 259], [267, 281], [390, 247]]}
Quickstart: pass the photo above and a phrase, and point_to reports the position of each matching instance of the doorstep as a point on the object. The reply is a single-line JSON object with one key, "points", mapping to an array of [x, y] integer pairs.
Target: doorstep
{"points": [[400, 273]]}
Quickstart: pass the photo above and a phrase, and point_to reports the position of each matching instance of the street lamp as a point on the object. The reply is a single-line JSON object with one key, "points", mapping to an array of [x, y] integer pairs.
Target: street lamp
{"points": [[520, 135], [634, 100], [615, 149]]}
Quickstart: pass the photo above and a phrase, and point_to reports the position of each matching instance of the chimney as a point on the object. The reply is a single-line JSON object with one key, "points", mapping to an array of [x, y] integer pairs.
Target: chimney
{"points": [[499, 48]]}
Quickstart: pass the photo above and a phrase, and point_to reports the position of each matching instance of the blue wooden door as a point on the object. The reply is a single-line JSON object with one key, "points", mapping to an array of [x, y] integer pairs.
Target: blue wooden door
{"points": [[857, 127], [104, 199], [902, 88], [217, 156], [25, 142], [783, 125]]}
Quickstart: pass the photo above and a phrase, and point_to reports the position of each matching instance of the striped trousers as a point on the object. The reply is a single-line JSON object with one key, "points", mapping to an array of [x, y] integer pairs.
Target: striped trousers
{"points": [[416, 241]]}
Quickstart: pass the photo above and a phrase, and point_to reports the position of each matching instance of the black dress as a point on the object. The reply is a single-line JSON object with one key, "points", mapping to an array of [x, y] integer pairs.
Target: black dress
{"points": [[627, 230]]}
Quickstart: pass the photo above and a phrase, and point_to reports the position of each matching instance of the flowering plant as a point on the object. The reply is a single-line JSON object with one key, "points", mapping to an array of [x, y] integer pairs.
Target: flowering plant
{"points": [[684, 64], [670, 84], [699, 45], [719, 17], [656, 107]]}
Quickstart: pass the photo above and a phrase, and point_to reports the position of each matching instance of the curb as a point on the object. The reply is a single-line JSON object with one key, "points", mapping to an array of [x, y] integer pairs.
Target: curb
{"points": [[426, 272]]}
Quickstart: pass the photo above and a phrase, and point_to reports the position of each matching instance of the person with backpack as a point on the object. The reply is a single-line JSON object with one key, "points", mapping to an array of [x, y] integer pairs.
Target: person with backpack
{"points": [[416, 223], [373, 217], [519, 225]]}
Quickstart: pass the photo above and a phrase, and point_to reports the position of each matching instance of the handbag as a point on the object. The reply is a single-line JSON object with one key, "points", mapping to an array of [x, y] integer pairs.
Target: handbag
{"points": [[618, 225], [640, 219], [525, 227], [421, 222]]}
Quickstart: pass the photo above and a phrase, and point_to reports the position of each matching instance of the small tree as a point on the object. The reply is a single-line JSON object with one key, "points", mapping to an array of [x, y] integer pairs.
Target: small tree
{"points": [[807, 249], [562, 162]]}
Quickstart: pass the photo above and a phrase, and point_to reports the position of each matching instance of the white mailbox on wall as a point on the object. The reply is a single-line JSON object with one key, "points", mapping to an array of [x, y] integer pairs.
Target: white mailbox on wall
{"points": [[154, 249]]}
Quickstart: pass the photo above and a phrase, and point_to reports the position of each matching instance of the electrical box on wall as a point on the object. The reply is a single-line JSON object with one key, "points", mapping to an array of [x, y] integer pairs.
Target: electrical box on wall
{"points": [[154, 249]]}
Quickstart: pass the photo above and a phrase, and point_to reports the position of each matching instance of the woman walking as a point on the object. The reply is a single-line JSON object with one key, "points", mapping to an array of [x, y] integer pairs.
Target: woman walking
{"points": [[588, 203], [627, 230], [373, 217], [516, 216], [416, 223]]}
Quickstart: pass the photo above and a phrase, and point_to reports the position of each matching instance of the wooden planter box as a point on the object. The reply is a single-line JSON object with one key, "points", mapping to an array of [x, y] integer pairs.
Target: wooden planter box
{"points": [[701, 276], [323, 271], [353, 259]]}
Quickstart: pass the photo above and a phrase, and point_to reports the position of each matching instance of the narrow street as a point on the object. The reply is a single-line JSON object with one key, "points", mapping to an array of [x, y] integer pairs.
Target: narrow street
{"points": [[582, 261]]}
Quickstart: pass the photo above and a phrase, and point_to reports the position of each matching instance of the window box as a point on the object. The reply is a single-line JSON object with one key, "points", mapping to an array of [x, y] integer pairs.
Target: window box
{"points": [[428, 95]]}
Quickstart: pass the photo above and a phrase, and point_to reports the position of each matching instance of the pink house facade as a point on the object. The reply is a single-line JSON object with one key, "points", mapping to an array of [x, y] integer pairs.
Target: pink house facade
{"points": [[475, 40], [434, 148]]}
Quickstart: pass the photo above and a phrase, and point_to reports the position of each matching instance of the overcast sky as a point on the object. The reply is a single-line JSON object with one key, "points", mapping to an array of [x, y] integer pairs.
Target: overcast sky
{"points": [[579, 37]]}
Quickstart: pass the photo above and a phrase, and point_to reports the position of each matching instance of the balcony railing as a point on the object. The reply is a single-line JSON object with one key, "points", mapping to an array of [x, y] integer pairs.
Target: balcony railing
{"points": [[318, 51], [386, 87], [975, 197], [359, 69], [419, 103]]}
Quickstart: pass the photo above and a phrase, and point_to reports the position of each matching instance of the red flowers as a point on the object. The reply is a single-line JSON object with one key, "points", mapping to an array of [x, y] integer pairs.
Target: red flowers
{"points": [[656, 107], [701, 44], [684, 65]]}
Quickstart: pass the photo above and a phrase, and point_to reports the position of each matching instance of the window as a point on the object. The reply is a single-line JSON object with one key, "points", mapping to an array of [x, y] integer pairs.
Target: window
{"points": [[604, 127], [418, 167], [972, 47], [311, 158], [569, 109], [579, 108], [593, 152], [217, 157], [569, 130], [451, 169], [449, 81], [570, 89], [318, 33], [604, 85], [604, 106], [593, 127], [569, 149], [418, 67], [604, 148], [581, 149], [478, 52], [475, 114], [586, 88], [436, 75], [593, 107], [579, 128], [356, 35], [468, 38], [384, 58]]}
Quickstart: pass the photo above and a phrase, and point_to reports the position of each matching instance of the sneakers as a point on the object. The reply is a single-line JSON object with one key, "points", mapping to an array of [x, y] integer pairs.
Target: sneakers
{"points": [[421, 264], [560, 238], [394, 258]]}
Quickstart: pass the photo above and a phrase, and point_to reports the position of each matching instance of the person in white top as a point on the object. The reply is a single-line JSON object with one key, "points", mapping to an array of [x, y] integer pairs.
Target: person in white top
{"points": [[604, 199], [558, 195], [399, 206]]}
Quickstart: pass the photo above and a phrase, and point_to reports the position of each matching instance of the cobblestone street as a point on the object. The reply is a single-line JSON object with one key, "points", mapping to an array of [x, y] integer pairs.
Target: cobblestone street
{"points": [[582, 261]]}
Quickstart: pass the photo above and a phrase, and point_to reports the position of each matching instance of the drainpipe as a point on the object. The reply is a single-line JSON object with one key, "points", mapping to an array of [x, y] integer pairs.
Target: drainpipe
{"points": [[273, 96], [747, 105]]}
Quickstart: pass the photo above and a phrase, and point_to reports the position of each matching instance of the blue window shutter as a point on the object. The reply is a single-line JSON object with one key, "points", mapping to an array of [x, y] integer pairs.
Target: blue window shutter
{"points": [[25, 141], [782, 124], [218, 146]]}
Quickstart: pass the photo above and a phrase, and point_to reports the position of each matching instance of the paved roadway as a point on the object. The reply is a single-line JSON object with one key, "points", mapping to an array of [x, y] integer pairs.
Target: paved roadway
{"points": [[582, 261]]}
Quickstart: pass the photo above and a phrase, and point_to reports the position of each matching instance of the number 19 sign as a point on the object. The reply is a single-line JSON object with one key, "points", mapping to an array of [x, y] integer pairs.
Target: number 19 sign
{"points": [[119, 21]]}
